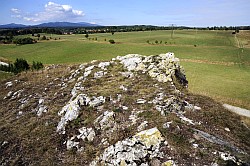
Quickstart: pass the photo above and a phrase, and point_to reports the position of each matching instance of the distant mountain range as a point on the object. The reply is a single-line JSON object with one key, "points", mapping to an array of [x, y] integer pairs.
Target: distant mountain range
{"points": [[50, 25]]}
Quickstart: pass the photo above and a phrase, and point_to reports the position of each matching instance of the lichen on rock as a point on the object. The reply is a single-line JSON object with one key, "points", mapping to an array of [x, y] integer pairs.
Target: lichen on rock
{"points": [[132, 151]]}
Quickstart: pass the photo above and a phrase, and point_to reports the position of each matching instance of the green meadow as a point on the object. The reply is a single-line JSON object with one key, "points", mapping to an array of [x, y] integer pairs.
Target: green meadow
{"points": [[217, 63]]}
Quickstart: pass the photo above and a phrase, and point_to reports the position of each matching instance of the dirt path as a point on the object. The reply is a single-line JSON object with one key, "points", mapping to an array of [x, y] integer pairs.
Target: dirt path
{"points": [[237, 110]]}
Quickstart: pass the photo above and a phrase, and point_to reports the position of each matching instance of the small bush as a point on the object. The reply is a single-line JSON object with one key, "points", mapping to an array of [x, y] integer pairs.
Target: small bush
{"points": [[20, 65], [111, 41], [44, 38], [37, 65]]}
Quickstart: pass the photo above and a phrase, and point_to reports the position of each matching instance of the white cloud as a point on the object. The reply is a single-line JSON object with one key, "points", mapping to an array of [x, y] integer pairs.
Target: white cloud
{"points": [[52, 12], [16, 11]]}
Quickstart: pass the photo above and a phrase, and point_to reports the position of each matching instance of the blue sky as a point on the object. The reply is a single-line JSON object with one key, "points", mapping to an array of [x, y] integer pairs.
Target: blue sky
{"points": [[200, 13]]}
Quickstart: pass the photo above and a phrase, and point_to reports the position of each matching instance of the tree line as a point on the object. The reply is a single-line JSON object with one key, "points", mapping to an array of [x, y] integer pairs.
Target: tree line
{"points": [[108, 29]]}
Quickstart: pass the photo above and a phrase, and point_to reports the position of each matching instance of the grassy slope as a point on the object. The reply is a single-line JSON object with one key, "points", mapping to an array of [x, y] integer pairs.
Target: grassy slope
{"points": [[225, 83]]}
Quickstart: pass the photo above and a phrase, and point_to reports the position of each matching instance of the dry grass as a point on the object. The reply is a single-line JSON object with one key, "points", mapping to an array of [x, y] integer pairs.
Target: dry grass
{"points": [[33, 140], [244, 37]]}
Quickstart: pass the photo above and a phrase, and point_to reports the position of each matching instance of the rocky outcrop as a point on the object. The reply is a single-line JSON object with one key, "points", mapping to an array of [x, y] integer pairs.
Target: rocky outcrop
{"points": [[163, 67], [138, 150], [132, 110]]}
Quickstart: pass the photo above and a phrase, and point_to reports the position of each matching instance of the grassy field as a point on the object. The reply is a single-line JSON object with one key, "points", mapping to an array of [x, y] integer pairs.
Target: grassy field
{"points": [[216, 62]]}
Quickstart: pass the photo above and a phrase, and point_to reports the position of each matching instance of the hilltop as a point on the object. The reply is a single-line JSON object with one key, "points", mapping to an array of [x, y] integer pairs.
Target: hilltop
{"points": [[131, 110]]}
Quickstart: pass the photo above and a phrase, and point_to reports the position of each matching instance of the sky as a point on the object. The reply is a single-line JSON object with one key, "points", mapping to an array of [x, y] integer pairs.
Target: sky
{"points": [[196, 13]]}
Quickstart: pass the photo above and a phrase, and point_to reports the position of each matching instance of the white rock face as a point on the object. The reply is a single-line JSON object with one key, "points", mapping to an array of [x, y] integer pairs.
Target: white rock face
{"points": [[97, 101], [88, 71], [162, 68], [130, 61], [104, 65], [71, 111], [227, 156], [88, 133], [145, 143], [70, 143], [99, 74]]}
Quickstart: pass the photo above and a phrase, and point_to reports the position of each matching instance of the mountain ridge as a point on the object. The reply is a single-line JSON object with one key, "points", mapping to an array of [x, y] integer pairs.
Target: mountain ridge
{"points": [[50, 25]]}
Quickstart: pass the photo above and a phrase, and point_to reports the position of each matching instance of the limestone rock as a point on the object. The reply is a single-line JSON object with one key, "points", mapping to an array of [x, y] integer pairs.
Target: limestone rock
{"points": [[141, 101], [97, 101], [104, 65], [105, 121], [163, 68], [71, 111], [41, 108], [88, 70], [8, 84], [133, 150], [142, 126], [70, 143], [86, 133]]}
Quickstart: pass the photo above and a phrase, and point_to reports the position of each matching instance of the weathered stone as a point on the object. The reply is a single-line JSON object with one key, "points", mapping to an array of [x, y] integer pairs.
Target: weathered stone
{"points": [[86, 133], [99, 74], [8, 84], [168, 163], [104, 65], [88, 71], [8, 95], [3, 63], [145, 143], [97, 101], [127, 74], [142, 126], [162, 68], [123, 88], [105, 121], [227, 129], [141, 101], [71, 111], [227, 156], [167, 125], [70, 143]]}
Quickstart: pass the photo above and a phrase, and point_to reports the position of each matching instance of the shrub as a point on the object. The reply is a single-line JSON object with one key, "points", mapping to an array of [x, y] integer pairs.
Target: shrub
{"points": [[44, 38], [111, 41], [156, 42], [20, 65], [37, 65]]}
